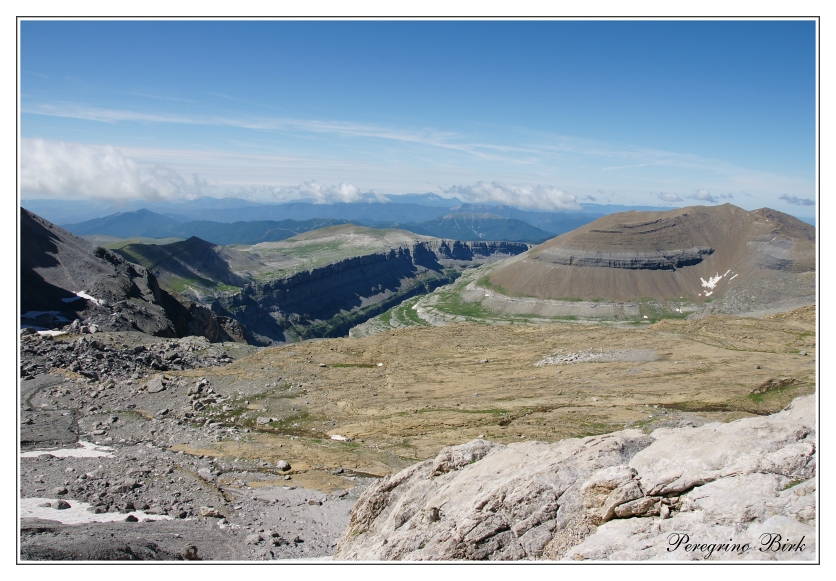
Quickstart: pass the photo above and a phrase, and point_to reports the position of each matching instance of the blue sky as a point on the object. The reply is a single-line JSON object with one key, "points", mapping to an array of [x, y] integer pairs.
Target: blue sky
{"points": [[539, 114]]}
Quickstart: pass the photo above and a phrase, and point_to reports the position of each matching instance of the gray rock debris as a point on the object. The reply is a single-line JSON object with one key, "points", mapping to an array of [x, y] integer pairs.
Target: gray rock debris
{"points": [[620, 496], [99, 360], [157, 383]]}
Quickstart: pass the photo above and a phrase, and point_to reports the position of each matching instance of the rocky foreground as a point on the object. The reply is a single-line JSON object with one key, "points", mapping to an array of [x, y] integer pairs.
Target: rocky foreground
{"points": [[100, 480], [744, 490], [138, 447]]}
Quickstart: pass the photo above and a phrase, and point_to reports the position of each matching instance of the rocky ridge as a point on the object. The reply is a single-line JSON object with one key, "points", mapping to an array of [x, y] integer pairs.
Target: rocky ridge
{"points": [[65, 279]]}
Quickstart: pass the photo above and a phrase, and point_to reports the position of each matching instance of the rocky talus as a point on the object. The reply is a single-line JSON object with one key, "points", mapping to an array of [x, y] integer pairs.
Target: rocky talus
{"points": [[744, 490], [98, 360]]}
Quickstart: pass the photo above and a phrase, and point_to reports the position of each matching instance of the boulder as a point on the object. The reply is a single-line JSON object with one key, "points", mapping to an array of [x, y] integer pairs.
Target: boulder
{"points": [[157, 384]]}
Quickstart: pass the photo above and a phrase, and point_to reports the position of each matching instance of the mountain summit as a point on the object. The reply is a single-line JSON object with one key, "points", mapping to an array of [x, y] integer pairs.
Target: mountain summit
{"points": [[696, 253]]}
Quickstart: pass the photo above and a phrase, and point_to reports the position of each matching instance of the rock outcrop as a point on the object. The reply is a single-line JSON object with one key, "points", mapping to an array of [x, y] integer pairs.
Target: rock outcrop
{"points": [[738, 491], [659, 260]]}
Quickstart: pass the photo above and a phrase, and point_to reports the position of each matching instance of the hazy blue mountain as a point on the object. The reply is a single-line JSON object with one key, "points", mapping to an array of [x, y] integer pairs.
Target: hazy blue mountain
{"points": [[252, 232], [71, 211], [552, 222], [144, 223], [458, 226], [76, 211], [428, 199], [363, 212], [127, 225], [470, 226]]}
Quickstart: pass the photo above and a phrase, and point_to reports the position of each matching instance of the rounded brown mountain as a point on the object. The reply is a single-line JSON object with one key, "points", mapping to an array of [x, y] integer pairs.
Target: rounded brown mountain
{"points": [[693, 253]]}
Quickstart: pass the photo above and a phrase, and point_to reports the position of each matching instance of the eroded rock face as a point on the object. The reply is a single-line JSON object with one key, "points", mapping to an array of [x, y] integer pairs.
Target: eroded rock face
{"points": [[503, 504], [659, 260], [726, 489]]}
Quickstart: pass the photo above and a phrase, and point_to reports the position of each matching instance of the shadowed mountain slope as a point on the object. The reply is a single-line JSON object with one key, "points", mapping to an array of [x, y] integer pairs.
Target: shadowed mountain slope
{"points": [[64, 277]]}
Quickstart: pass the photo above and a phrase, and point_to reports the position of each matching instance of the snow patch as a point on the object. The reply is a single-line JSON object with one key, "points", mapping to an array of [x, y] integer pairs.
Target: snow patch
{"points": [[712, 281], [52, 333], [77, 513], [339, 438], [87, 450], [83, 294]]}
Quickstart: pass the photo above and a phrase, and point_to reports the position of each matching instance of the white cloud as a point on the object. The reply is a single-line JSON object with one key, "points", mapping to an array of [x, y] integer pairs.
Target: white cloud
{"points": [[57, 169], [320, 194], [796, 201], [521, 196], [703, 195], [666, 197]]}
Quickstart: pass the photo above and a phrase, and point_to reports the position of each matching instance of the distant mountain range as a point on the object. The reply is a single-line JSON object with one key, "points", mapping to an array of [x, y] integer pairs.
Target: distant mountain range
{"points": [[148, 224], [254, 222], [466, 226], [404, 208], [469, 226]]}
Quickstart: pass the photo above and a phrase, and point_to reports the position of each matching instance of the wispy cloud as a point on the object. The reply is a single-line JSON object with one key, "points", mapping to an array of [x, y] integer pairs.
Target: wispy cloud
{"points": [[796, 201], [61, 169], [520, 196], [706, 196], [426, 136]]}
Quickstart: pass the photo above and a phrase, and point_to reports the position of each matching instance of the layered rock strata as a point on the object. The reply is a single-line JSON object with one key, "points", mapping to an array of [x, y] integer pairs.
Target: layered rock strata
{"points": [[660, 260]]}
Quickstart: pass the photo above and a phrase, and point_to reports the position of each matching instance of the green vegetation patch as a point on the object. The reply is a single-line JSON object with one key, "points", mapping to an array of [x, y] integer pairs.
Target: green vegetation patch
{"points": [[454, 304]]}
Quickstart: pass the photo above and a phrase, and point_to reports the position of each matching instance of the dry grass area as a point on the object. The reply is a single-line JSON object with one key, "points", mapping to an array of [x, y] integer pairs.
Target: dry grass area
{"points": [[446, 385]]}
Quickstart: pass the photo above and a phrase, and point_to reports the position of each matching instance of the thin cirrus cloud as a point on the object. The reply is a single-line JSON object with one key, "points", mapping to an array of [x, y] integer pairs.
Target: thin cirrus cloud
{"points": [[57, 169], [796, 201], [525, 154], [429, 137], [521, 196]]}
